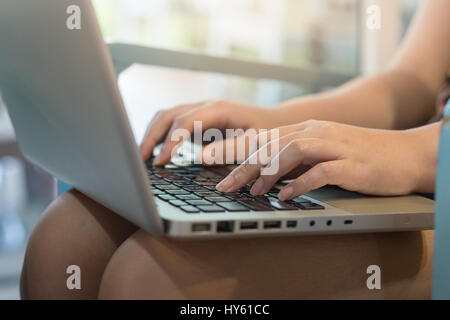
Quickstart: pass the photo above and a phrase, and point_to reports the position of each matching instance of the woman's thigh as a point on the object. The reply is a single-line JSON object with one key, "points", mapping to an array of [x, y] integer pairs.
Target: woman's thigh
{"points": [[308, 267], [74, 230]]}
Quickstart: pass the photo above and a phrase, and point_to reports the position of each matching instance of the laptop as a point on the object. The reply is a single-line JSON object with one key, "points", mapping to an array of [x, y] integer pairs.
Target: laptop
{"points": [[61, 91]]}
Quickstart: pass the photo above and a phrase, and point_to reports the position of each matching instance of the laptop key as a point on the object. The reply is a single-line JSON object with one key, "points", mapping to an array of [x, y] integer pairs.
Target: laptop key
{"points": [[210, 174], [166, 197], [301, 200], [182, 183], [158, 181], [232, 206], [240, 197], [217, 198], [194, 167], [190, 209], [177, 192], [275, 203], [206, 183], [167, 187], [255, 205], [188, 197], [157, 192], [309, 206], [189, 175], [206, 194], [177, 203], [195, 188], [280, 205], [213, 208], [173, 178], [194, 177], [199, 202]]}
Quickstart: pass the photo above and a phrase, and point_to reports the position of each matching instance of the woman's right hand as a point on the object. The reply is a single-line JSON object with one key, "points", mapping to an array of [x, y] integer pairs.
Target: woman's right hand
{"points": [[220, 114]]}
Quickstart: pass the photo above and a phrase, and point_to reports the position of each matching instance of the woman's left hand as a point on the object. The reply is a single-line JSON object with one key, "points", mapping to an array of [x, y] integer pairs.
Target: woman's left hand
{"points": [[318, 153]]}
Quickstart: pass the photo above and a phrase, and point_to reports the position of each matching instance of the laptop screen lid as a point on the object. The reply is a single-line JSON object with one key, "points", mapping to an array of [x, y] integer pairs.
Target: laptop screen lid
{"points": [[60, 88]]}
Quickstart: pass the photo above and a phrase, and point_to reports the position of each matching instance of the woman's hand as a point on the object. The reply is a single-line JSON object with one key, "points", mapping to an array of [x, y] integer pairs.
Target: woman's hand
{"points": [[219, 114], [318, 153]]}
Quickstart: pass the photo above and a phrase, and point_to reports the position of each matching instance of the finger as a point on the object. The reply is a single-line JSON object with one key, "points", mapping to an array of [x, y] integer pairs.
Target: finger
{"points": [[155, 131], [324, 173], [209, 116], [157, 127], [250, 169], [297, 152]]}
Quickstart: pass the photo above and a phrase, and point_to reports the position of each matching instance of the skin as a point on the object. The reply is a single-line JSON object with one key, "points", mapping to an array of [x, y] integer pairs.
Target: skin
{"points": [[370, 161], [369, 135], [118, 261]]}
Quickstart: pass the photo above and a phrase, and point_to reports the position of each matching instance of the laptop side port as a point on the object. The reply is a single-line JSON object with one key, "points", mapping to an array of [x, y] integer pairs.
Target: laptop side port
{"points": [[248, 225], [291, 224], [272, 224], [225, 226], [348, 222], [200, 227]]}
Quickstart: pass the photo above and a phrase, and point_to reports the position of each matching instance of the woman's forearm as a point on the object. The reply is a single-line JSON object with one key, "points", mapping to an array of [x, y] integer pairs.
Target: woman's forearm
{"points": [[427, 138], [401, 97], [389, 100]]}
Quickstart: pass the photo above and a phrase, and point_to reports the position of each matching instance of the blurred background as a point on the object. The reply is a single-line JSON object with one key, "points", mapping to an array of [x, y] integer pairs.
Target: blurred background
{"points": [[318, 34]]}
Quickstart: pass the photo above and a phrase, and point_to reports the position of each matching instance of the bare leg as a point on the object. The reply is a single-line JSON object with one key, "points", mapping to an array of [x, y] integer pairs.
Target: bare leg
{"points": [[322, 267], [74, 230]]}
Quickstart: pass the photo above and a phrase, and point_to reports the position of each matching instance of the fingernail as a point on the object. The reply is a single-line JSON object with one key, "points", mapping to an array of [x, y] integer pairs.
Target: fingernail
{"points": [[258, 187], [286, 193], [226, 184]]}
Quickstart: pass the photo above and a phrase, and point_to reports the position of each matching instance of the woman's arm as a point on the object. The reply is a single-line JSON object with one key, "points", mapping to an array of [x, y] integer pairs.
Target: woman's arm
{"points": [[401, 97]]}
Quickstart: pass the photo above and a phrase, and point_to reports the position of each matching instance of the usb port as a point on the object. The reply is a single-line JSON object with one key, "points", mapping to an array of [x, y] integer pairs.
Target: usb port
{"points": [[348, 221], [248, 225], [272, 224], [291, 224], [200, 227], [225, 226]]}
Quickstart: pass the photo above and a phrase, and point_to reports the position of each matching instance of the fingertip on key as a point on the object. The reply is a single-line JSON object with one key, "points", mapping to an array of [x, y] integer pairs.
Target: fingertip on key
{"points": [[286, 193], [226, 184], [258, 187], [158, 161]]}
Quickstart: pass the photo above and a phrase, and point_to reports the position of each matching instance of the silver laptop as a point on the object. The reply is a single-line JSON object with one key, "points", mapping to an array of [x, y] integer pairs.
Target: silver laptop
{"points": [[61, 91]]}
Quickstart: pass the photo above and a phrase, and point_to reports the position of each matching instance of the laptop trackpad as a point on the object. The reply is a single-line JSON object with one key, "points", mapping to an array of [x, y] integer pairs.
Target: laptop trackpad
{"points": [[358, 203]]}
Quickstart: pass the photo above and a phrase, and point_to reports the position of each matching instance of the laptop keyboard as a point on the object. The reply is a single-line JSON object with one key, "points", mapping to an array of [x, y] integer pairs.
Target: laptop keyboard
{"points": [[193, 190]]}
